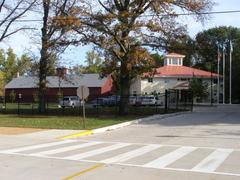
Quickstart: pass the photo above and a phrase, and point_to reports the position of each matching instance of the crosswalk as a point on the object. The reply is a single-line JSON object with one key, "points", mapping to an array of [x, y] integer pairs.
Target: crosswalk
{"points": [[157, 156]]}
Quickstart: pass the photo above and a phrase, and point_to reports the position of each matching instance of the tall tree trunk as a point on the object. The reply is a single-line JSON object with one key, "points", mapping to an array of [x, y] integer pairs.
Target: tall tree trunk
{"points": [[124, 90], [43, 59]]}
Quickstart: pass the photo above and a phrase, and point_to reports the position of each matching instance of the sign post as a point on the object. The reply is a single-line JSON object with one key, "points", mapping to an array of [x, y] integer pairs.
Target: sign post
{"points": [[83, 93]]}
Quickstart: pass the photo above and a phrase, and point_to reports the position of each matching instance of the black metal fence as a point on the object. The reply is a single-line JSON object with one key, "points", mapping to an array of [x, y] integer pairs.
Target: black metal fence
{"points": [[170, 101]]}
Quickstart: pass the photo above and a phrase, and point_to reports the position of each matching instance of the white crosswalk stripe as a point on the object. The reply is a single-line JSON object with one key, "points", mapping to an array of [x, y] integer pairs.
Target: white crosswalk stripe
{"points": [[28, 148], [120, 153], [213, 161], [96, 152], [169, 158], [65, 149], [132, 154]]}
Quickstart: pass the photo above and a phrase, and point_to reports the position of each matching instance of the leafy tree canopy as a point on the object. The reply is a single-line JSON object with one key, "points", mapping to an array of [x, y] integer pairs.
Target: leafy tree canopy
{"points": [[208, 43], [123, 29]]}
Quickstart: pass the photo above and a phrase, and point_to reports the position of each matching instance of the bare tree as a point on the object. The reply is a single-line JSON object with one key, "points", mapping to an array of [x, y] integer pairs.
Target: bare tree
{"points": [[11, 12], [58, 22]]}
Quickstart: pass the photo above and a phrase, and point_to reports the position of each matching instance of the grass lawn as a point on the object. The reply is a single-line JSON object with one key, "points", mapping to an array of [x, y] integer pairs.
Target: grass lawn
{"points": [[60, 122]]}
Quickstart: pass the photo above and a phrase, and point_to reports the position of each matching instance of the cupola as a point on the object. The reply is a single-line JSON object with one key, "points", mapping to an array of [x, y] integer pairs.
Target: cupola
{"points": [[173, 59]]}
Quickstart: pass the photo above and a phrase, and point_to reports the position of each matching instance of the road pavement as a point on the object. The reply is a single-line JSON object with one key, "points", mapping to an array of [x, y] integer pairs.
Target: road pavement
{"points": [[203, 145]]}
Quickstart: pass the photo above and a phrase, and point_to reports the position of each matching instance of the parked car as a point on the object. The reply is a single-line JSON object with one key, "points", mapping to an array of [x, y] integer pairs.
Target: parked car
{"points": [[113, 100], [135, 100], [70, 101], [148, 100], [132, 100], [99, 102], [160, 100]]}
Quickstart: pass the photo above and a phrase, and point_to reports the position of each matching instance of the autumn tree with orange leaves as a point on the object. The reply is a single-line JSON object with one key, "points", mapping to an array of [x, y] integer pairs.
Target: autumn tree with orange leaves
{"points": [[124, 29]]}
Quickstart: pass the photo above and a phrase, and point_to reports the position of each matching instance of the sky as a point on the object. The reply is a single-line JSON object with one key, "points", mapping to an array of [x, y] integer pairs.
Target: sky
{"points": [[21, 43]]}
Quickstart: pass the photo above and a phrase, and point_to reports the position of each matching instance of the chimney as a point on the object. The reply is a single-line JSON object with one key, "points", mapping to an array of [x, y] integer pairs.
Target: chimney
{"points": [[18, 75], [62, 72]]}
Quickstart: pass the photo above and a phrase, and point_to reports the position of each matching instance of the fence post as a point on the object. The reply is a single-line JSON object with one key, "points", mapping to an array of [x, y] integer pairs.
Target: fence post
{"points": [[18, 106], [116, 105], [177, 95], [166, 101], [32, 105], [5, 104], [192, 102], [46, 104]]}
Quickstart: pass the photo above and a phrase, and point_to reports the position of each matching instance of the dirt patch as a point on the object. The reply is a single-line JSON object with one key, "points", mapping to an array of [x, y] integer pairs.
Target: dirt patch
{"points": [[16, 131]]}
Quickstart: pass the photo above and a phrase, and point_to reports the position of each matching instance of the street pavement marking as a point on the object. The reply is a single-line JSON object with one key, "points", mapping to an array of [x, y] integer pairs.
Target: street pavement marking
{"points": [[176, 169], [97, 151], [84, 133], [131, 154], [207, 165], [169, 158], [213, 161], [83, 172], [65, 149], [37, 146]]}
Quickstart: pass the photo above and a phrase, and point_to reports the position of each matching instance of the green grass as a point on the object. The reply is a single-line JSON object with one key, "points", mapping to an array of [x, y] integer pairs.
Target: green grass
{"points": [[69, 118], [60, 122]]}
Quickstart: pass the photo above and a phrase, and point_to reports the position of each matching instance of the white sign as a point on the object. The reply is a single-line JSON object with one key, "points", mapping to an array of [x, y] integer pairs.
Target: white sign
{"points": [[83, 92]]}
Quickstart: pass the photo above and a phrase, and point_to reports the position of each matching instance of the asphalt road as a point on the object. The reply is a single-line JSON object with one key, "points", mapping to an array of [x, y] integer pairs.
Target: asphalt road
{"points": [[203, 145]]}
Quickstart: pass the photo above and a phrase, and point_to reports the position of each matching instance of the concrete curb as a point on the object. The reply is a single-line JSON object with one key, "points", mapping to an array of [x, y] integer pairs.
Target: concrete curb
{"points": [[121, 125]]}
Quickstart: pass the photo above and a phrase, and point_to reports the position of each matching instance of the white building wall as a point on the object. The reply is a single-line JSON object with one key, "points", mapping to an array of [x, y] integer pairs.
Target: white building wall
{"points": [[160, 84], [135, 87]]}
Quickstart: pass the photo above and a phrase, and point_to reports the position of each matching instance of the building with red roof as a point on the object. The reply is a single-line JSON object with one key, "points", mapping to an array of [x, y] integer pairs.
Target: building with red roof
{"points": [[173, 75]]}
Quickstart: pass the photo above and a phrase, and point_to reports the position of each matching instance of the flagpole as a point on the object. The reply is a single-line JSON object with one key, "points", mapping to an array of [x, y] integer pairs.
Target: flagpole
{"points": [[223, 74], [218, 71], [230, 76]]}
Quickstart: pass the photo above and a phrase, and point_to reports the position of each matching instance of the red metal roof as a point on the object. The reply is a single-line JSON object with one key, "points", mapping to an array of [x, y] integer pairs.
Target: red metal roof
{"points": [[182, 71]]}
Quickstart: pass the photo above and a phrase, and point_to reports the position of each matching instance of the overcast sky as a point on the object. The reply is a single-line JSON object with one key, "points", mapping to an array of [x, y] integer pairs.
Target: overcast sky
{"points": [[21, 43]]}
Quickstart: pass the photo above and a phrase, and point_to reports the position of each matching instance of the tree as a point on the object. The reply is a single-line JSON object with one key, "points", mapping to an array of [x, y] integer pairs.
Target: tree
{"points": [[158, 60], [10, 68], [207, 49], [10, 65], [184, 45], [77, 69], [93, 61], [123, 29], [10, 13], [2, 83], [58, 20], [12, 96], [197, 88], [51, 65]]}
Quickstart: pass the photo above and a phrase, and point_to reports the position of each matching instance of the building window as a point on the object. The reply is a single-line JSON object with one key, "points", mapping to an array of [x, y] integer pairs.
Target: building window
{"points": [[134, 93], [183, 79], [150, 80], [175, 61]]}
